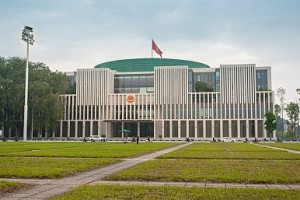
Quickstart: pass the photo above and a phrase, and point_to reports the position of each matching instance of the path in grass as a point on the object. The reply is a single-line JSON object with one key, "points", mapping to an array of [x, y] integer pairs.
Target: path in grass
{"points": [[289, 147], [60, 186], [141, 192], [218, 163], [227, 191]]}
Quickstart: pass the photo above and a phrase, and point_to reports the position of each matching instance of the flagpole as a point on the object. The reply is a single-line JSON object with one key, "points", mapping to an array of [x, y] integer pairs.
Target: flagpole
{"points": [[151, 49]]}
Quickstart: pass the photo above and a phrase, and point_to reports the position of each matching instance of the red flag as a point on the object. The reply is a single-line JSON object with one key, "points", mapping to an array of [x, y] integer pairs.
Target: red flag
{"points": [[156, 49]]}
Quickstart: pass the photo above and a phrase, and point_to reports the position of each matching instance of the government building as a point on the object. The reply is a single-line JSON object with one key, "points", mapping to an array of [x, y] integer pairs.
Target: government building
{"points": [[158, 97]]}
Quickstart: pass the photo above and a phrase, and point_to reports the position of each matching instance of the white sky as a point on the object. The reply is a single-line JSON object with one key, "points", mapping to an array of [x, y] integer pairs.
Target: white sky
{"points": [[73, 34]]}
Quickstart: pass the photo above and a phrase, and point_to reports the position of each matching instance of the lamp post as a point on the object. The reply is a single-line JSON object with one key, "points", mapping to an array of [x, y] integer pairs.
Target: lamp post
{"points": [[298, 134], [27, 36]]}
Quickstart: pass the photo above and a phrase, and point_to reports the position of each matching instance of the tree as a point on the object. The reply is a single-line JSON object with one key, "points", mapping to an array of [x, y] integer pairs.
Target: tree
{"points": [[203, 87], [270, 123], [281, 95], [292, 111], [277, 111], [44, 107]]}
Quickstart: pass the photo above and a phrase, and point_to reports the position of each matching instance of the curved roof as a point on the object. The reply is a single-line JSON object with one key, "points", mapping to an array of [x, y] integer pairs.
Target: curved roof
{"points": [[147, 64]]}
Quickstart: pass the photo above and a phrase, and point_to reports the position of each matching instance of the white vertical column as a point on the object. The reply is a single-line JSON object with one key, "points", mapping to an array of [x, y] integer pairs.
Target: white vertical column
{"points": [[68, 128], [229, 128], [179, 128], [247, 128], [196, 129], [138, 129], [238, 128], [187, 125], [76, 128], [204, 128], [171, 129], [221, 128], [122, 129], [256, 129], [212, 128], [61, 129]]}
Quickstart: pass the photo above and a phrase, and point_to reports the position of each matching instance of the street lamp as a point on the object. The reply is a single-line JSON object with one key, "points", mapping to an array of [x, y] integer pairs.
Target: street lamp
{"points": [[298, 92], [27, 36]]}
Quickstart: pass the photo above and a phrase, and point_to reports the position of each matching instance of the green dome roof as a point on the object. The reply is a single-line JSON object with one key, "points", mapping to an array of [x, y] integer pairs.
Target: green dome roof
{"points": [[147, 64]]}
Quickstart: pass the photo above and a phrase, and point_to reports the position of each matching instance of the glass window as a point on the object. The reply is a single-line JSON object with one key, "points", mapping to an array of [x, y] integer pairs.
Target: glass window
{"points": [[135, 81], [217, 76], [217, 87], [150, 81], [209, 78], [127, 82], [143, 81], [150, 89], [135, 90], [127, 90], [190, 77], [190, 88], [121, 82], [116, 82], [143, 90]]}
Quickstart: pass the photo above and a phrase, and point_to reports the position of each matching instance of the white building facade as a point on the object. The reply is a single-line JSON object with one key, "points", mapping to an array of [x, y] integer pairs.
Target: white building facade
{"points": [[162, 103]]}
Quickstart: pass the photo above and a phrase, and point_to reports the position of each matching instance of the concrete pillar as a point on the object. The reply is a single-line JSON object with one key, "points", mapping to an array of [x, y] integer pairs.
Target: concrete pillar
{"points": [[138, 129]]}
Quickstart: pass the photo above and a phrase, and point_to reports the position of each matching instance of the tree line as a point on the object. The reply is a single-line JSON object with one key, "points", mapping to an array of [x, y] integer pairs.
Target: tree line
{"points": [[44, 88], [287, 129]]}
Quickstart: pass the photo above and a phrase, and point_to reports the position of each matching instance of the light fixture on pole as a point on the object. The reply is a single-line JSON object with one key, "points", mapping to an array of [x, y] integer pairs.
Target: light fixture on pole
{"points": [[27, 36]]}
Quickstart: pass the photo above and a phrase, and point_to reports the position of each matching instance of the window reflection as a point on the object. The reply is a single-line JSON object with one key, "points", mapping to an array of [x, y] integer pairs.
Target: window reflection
{"points": [[134, 83]]}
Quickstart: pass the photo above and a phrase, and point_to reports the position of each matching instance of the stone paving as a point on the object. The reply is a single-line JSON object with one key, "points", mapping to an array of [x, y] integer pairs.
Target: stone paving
{"points": [[47, 188], [277, 148]]}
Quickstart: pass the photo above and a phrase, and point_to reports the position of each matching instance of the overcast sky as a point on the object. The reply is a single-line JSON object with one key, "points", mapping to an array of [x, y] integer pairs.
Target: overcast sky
{"points": [[71, 34]]}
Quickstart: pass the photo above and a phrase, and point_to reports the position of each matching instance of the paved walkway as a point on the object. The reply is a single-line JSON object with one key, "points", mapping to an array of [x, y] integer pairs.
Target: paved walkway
{"points": [[50, 188], [278, 148], [47, 188]]}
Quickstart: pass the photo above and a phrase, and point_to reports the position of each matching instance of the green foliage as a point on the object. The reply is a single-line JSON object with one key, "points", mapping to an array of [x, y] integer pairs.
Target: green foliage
{"points": [[292, 111], [271, 122], [44, 107], [203, 87], [174, 192]]}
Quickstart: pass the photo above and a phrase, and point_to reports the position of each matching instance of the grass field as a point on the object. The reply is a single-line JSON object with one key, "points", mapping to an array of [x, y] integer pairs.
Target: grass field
{"points": [[218, 162], [59, 159], [230, 151], [42, 167], [216, 171], [7, 187], [79, 149], [292, 146], [182, 193]]}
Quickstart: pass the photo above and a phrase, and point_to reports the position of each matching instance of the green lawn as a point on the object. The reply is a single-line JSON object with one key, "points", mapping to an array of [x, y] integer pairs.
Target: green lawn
{"points": [[59, 159], [7, 187], [40, 167], [213, 170], [292, 146], [183, 193], [80, 149], [218, 162], [230, 151]]}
